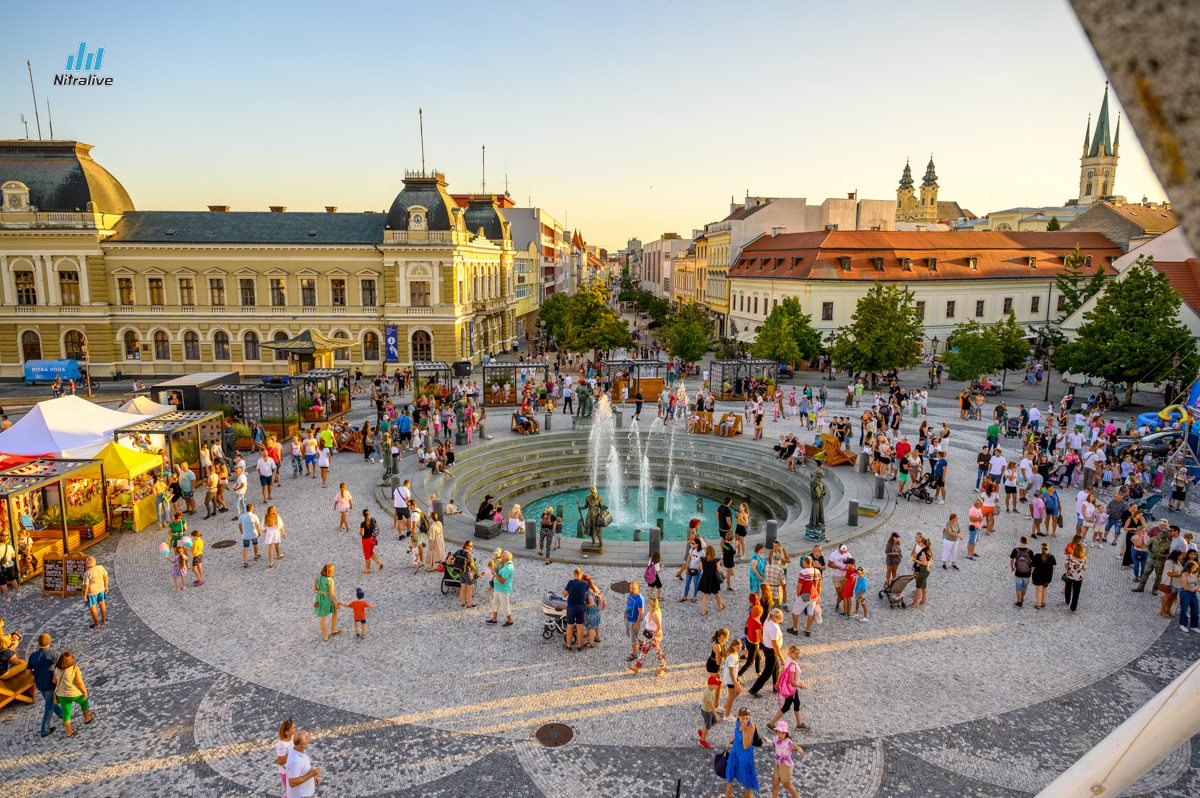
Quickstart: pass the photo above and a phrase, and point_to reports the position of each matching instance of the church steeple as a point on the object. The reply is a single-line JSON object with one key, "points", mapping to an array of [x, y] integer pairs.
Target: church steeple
{"points": [[1098, 166], [906, 180], [1117, 136], [1101, 142], [930, 174], [1087, 135]]}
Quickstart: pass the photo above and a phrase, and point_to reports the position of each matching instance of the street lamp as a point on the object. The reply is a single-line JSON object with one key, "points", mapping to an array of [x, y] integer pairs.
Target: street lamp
{"points": [[1175, 358], [1049, 367], [87, 368]]}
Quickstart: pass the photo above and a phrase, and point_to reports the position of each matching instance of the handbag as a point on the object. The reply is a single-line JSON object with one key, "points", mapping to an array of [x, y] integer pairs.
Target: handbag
{"points": [[721, 764]]}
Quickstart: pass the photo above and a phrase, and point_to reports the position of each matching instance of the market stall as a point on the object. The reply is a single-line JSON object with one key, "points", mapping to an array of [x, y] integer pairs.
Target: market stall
{"points": [[503, 382], [735, 379], [324, 398], [130, 482], [432, 378], [176, 436], [274, 403], [69, 426], [185, 392], [647, 376], [310, 350], [51, 507]]}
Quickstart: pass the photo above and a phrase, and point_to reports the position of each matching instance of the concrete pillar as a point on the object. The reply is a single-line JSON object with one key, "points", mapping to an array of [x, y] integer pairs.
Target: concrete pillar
{"points": [[772, 532], [852, 514], [619, 415], [662, 505], [655, 540], [579, 528], [879, 486], [531, 530], [439, 508], [637, 534], [861, 463], [558, 511], [546, 422]]}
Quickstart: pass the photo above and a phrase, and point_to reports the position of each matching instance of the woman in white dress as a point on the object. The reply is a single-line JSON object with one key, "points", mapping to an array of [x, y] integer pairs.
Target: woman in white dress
{"points": [[516, 520], [435, 552], [272, 533]]}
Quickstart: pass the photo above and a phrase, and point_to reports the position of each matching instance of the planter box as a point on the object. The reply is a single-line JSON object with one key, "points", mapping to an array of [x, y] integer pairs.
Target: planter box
{"points": [[245, 444], [282, 431], [93, 532]]}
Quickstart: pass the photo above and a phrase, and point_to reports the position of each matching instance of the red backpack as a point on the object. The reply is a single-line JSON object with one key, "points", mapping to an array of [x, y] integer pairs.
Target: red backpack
{"points": [[784, 685]]}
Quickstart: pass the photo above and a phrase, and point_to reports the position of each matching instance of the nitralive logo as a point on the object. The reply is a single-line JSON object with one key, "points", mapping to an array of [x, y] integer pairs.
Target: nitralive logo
{"points": [[83, 61]]}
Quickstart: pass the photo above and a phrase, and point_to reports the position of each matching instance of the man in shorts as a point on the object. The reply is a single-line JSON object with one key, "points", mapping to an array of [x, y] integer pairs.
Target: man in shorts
{"points": [[95, 580], [251, 529], [576, 595], [266, 472], [402, 506], [634, 610], [1021, 561]]}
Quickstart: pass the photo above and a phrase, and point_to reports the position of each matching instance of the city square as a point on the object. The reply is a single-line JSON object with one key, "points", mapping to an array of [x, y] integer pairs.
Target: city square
{"points": [[790, 474]]}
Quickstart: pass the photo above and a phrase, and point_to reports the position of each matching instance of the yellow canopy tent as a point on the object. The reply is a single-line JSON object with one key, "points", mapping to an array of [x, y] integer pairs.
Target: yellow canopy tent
{"points": [[135, 510], [121, 462]]}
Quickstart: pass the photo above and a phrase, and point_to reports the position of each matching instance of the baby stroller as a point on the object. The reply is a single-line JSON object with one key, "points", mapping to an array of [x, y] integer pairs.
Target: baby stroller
{"points": [[1012, 428], [921, 489], [1147, 506], [452, 570], [895, 591], [555, 610]]}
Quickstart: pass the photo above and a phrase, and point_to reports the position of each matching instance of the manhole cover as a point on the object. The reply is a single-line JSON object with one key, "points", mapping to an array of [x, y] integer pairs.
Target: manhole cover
{"points": [[553, 735], [223, 544], [619, 587]]}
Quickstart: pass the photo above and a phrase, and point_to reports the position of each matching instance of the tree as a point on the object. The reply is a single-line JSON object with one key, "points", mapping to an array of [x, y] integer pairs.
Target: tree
{"points": [[1075, 284], [1132, 332], [808, 340], [589, 323], [686, 339], [1011, 345], [1053, 226], [658, 309], [884, 333], [973, 351], [775, 340], [552, 314], [697, 314]]}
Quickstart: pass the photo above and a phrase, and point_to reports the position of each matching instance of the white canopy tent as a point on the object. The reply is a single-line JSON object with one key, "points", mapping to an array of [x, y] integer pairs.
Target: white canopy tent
{"points": [[747, 336], [145, 406], [69, 426]]}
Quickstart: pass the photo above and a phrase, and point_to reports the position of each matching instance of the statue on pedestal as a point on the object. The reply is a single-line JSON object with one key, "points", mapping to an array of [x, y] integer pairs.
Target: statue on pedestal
{"points": [[816, 492], [591, 523], [585, 399], [460, 413]]}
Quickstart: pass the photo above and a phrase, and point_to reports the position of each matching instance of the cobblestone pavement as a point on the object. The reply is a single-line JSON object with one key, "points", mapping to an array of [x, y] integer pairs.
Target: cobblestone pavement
{"points": [[967, 695]]}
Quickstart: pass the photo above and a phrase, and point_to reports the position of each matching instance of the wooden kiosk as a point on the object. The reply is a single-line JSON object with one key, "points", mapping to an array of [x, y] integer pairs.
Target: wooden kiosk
{"points": [[644, 375]]}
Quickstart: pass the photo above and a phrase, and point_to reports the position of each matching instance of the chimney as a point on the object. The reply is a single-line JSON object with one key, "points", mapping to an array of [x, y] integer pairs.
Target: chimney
{"points": [[278, 208], [777, 230], [330, 209], [219, 208], [851, 195]]}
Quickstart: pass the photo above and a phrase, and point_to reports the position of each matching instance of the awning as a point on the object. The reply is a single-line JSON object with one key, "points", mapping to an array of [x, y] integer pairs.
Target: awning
{"points": [[69, 427], [121, 462], [747, 336], [309, 341]]}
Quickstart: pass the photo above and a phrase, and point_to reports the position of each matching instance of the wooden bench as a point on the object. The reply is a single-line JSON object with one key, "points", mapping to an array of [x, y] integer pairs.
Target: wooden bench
{"points": [[734, 426], [832, 450], [514, 427], [703, 424], [353, 443], [17, 688]]}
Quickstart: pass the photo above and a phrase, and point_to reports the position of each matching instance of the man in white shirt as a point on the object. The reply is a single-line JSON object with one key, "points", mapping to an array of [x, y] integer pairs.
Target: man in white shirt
{"points": [[401, 506], [996, 465], [1026, 466], [1091, 466], [772, 644], [266, 472], [1080, 498], [1035, 416], [1075, 442], [837, 567], [239, 490], [302, 778], [251, 530]]}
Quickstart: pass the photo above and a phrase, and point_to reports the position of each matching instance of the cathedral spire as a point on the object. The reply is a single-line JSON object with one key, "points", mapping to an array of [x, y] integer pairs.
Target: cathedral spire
{"points": [[1101, 141], [1117, 135], [906, 180], [1087, 133], [930, 174]]}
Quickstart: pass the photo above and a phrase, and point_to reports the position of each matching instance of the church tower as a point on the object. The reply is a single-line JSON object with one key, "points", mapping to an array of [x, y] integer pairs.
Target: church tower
{"points": [[929, 191], [1098, 166], [906, 201]]}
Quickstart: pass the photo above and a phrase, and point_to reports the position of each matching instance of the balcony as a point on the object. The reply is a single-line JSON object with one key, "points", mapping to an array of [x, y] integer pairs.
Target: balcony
{"points": [[370, 311], [187, 309], [420, 237], [215, 309], [489, 306], [410, 310], [68, 309]]}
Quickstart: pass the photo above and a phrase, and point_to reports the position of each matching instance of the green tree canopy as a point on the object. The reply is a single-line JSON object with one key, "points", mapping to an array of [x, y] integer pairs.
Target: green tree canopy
{"points": [[973, 351], [1012, 347], [1132, 332], [584, 321], [775, 340], [1054, 225], [686, 339], [1077, 284], [884, 333], [808, 340], [552, 314]]}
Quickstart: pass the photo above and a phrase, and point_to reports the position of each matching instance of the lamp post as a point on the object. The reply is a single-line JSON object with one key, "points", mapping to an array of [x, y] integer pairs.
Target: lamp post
{"points": [[829, 353], [87, 368], [1049, 367], [1175, 358]]}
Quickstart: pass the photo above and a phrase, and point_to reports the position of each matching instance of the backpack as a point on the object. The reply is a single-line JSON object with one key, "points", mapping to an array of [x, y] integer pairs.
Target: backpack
{"points": [[651, 574], [784, 685], [1023, 561], [601, 604]]}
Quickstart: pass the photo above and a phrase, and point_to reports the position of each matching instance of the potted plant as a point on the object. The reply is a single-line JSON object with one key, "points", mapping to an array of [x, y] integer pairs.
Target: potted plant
{"points": [[88, 524], [245, 438]]}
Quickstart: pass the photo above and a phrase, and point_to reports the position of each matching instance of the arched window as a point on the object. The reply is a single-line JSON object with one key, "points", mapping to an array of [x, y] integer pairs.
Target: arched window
{"points": [[221, 345], [370, 347], [76, 343], [132, 350], [280, 336], [422, 346], [343, 353], [191, 346], [31, 345], [250, 346], [162, 345]]}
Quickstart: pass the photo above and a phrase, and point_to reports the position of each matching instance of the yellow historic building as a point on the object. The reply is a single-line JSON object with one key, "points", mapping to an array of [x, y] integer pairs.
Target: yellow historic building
{"points": [[85, 275]]}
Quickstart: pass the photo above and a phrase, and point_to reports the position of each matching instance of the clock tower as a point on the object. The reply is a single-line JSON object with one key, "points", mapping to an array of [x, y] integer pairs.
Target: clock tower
{"points": [[1098, 166]]}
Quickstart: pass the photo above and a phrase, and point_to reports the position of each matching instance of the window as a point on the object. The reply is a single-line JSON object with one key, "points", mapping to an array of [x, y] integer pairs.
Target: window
{"points": [[337, 293], [906, 264], [250, 346], [1035, 304], [368, 293], [187, 291], [156, 291], [844, 262], [26, 289], [950, 309], [1007, 305], [246, 288], [418, 291], [979, 308], [220, 345], [75, 345], [278, 292], [277, 337], [308, 293], [370, 347], [162, 346], [422, 347], [826, 311], [191, 346], [68, 283], [216, 292], [125, 290], [132, 350], [1061, 302], [755, 306], [343, 353], [921, 310]]}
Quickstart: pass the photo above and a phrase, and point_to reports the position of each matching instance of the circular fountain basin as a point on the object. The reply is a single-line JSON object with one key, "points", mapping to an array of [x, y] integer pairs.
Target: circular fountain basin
{"points": [[677, 512]]}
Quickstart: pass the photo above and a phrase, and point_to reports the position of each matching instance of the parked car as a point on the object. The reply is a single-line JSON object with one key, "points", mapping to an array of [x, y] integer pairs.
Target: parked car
{"points": [[1156, 443]]}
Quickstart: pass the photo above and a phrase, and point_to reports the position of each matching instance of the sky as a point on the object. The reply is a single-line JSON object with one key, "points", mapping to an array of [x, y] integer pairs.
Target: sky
{"points": [[618, 118]]}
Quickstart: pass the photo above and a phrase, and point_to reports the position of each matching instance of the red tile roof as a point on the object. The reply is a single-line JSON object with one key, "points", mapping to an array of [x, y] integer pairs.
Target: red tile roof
{"points": [[1185, 278], [1151, 220], [879, 255]]}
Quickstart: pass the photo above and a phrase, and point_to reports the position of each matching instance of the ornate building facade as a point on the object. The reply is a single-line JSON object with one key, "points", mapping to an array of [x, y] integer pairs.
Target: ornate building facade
{"points": [[86, 276]]}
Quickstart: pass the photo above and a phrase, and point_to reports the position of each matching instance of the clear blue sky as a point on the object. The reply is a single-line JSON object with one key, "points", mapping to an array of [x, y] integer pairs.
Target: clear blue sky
{"points": [[622, 118]]}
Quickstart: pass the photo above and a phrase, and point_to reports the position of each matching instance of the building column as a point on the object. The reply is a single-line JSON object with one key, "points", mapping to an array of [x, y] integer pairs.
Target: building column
{"points": [[402, 297], [85, 293], [6, 277], [39, 277]]}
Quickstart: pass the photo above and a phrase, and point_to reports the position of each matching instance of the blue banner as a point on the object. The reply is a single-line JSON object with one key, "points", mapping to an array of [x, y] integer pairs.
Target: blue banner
{"points": [[471, 336], [391, 343], [47, 370]]}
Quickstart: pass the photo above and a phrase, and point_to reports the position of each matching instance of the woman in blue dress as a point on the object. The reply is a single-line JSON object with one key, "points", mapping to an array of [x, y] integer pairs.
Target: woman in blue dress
{"points": [[740, 766]]}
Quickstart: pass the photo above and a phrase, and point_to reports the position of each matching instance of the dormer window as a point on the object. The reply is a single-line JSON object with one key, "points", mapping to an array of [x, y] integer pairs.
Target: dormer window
{"points": [[877, 263], [931, 263], [973, 264], [418, 218], [1087, 260], [795, 263], [778, 262], [844, 262], [1032, 259], [906, 264]]}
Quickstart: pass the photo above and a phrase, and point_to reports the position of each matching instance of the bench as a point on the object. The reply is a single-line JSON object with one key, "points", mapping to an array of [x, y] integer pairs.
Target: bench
{"points": [[731, 424], [514, 427], [703, 423], [17, 688], [353, 442]]}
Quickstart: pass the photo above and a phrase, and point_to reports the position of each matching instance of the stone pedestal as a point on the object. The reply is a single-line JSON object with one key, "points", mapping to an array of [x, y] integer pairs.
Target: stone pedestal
{"points": [[581, 422], [487, 530], [460, 439], [588, 548]]}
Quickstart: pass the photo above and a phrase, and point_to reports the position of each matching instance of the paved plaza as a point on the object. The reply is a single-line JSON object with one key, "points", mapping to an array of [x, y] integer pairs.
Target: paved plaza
{"points": [[966, 696]]}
